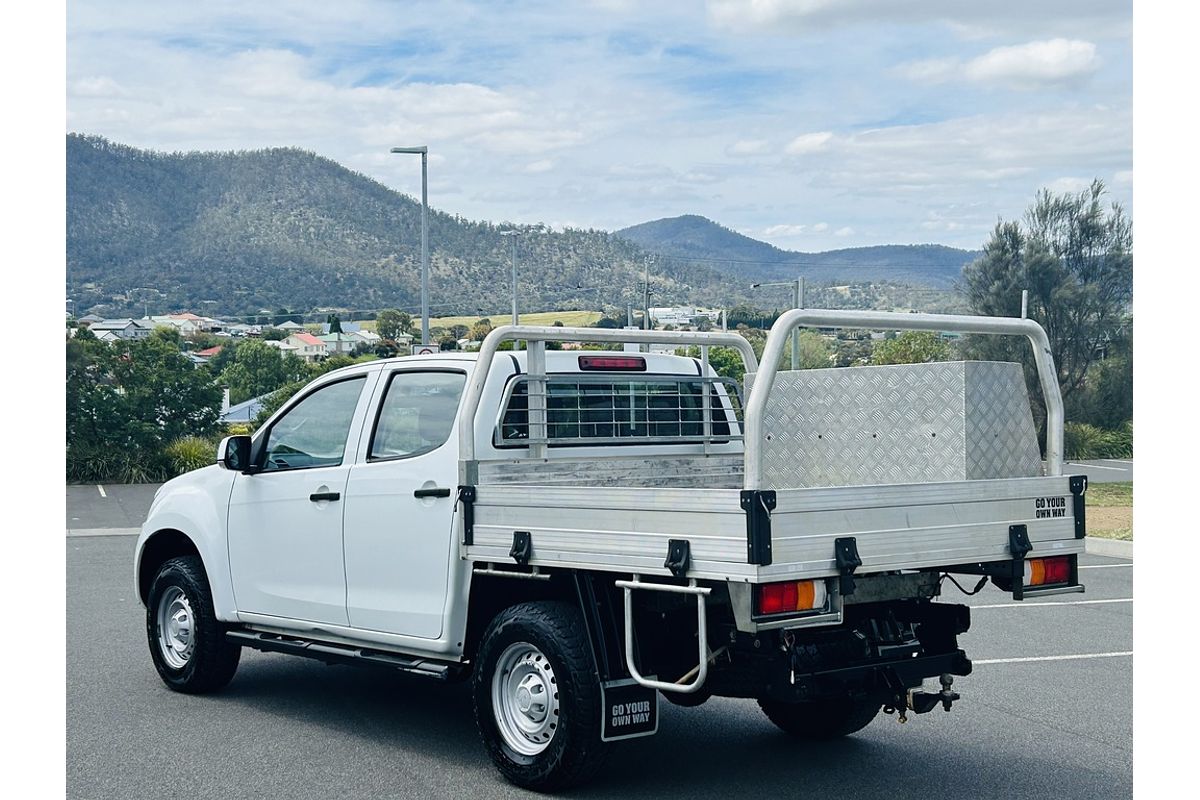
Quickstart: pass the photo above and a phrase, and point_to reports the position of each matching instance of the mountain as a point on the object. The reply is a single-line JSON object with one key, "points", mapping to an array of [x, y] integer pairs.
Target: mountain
{"points": [[236, 232], [695, 239]]}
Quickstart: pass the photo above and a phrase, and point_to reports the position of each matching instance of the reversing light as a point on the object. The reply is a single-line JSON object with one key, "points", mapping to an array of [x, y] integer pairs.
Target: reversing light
{"points": [[790, 596], [629, 363], [1043, 571]]}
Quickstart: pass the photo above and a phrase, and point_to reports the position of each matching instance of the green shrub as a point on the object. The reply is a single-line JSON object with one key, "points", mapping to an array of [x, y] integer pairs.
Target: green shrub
{"points": [[190, 452], [90, 463], [1083, 441]]}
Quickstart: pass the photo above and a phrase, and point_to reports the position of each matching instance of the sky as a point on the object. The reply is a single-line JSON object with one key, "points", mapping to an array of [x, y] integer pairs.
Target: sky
{"points": [[810, 124]]}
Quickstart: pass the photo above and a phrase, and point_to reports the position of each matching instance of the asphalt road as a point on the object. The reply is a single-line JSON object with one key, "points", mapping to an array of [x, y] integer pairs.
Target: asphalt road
{"points": [[289, 727], [1104, 470]]}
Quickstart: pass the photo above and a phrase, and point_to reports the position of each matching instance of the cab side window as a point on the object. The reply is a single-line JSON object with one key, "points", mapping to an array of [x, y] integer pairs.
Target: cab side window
{"points": [[417, 414], [313, 432]]}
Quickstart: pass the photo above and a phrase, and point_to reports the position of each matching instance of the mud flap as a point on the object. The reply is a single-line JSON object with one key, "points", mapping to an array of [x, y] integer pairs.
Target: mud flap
{"points": [[630, 710]]}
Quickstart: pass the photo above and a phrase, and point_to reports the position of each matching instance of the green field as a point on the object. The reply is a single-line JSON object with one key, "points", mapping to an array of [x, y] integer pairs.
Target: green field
{"points": [[568, 318], [1110, 510]]}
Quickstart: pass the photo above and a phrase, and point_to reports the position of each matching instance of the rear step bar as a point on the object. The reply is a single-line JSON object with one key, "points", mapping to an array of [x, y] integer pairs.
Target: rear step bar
{"points": [[332, 653]]}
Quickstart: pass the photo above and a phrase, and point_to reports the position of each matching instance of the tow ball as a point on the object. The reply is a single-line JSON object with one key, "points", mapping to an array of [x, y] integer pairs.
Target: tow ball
{"points": [[923, 702]]}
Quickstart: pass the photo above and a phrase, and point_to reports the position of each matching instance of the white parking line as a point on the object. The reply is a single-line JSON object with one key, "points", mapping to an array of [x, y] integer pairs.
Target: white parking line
{"points": [[1116, 461], [1097, 466], [1059, 603], [1050, 658], [1107, 566], [101, 490]]}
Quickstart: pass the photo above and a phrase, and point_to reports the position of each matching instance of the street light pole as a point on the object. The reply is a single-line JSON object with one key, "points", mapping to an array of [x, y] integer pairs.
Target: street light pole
{"points": [[512, 234], [424, 151], [798, 302]]}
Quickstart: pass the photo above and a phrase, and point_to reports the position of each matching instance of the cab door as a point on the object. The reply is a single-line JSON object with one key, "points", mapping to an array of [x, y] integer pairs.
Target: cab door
{"points": [[400, 503], [285, 522]]}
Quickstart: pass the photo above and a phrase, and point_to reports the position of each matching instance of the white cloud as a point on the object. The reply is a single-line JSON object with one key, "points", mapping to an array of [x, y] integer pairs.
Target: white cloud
{"points": [[844, 231], [1068, 185], [1123, 177], [749, 147], [973, 17], [783, 231], [542, 165], [97, 86], [1053, 61], [808, 143], [821, 227], [1026, 66]]}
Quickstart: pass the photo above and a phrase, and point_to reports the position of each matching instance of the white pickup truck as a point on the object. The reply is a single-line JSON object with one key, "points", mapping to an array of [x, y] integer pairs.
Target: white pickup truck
{"points": [[579, 532]]}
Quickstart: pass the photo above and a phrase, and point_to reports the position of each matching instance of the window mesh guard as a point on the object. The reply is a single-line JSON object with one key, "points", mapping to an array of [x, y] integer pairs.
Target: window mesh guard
{"points": [[603, 409]]}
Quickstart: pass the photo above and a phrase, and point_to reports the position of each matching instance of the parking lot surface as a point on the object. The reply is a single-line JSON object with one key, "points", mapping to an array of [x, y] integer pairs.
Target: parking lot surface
{"points": [[1047, 713]]}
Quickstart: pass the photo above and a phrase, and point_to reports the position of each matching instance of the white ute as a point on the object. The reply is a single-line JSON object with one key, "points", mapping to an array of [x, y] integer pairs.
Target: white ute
{"points": [[581, 531]]}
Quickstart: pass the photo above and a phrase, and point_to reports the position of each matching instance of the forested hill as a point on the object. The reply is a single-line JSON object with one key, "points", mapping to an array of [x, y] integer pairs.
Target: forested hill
{"points": [[234, 233], [285, 228], [695, 238]]}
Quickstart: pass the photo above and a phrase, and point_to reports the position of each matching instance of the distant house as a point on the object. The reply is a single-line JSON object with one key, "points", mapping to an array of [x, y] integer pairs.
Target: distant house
{"points": [[290, 326], [243, 413], [209, 352], [340, 343], [88, 319], [121, 328], [308, 347], [347, 327], [281, 345]]}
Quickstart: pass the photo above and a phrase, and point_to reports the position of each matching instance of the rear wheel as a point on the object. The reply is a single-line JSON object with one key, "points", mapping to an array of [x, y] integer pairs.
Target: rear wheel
{"points": [[830, 718], [186, 641], [537, 697]]}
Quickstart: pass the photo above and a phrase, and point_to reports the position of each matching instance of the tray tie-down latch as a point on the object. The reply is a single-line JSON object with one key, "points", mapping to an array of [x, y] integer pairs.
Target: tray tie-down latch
{"points": [[845, 551], [679, 557], [522, 547]]}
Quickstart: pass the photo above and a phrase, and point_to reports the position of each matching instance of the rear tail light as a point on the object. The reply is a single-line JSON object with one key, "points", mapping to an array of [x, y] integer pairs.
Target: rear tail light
{"points": [[791, 596], [1044, 571]]}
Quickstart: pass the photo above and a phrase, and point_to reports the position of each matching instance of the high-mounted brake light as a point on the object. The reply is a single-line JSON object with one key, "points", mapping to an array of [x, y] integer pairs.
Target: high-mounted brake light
{"points": [[1043, 571], [780, 598], [630, 363]]}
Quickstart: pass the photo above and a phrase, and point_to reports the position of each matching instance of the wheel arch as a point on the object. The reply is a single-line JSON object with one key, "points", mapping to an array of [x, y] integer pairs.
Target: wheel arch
{"points": [[160, 547]]}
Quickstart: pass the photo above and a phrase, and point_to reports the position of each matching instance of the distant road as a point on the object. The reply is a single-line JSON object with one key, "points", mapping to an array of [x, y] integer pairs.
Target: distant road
{"points": [[1103, 470]]}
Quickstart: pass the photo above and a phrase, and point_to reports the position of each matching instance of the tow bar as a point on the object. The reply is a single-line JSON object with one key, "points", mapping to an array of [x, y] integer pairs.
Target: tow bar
{"points": [[923, 702]]}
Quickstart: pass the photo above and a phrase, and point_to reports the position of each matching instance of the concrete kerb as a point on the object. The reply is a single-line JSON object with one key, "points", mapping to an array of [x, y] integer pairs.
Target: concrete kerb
{"points": [[1113, 548]]}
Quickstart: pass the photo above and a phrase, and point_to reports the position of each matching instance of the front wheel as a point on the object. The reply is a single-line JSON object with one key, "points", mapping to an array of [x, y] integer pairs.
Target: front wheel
{"points": [[187, 642], [537, 697], [830, 718]]}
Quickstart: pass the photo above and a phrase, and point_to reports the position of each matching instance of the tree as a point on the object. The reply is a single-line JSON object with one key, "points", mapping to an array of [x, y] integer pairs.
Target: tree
{"points": [[912, 347], [814, 351], [481, 329], [1075, 258], [388, 323], [335, 323], [125, 402], [258, 368]]}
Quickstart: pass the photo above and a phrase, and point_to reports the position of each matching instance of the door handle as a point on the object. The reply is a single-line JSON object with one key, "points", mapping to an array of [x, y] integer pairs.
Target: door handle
{"points": [[434, 492], [317, 497]]}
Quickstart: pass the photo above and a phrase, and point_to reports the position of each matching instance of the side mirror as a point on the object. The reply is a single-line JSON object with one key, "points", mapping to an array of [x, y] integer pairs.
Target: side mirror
{"points": [[234, 453]]}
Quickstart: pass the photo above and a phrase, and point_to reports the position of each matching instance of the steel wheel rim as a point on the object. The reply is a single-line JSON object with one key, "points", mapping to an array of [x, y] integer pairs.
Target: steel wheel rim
{"points": [[525, 699], [176, 628]]}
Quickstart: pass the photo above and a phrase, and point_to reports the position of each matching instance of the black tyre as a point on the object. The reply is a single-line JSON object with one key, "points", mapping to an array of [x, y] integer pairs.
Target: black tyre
{"points": [[186, 641], [823, 719], [537, 697]]}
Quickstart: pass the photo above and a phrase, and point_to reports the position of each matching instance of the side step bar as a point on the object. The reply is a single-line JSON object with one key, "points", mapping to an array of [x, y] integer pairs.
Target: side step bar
{"points": [[332, 653]]}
